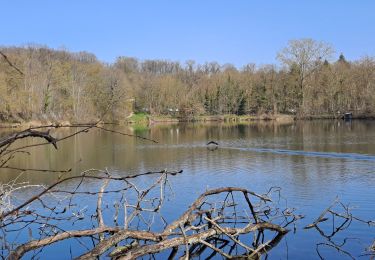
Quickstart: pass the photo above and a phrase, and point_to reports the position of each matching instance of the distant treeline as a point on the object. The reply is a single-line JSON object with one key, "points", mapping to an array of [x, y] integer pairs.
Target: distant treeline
{"points": [[41, 83]]}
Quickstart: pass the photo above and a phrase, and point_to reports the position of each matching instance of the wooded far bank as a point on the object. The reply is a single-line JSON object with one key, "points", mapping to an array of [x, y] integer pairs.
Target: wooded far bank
{"points": [[39, 83]]}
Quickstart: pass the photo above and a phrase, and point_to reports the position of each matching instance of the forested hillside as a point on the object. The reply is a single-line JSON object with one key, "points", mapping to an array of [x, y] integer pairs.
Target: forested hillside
{"points": [[53, 84]]}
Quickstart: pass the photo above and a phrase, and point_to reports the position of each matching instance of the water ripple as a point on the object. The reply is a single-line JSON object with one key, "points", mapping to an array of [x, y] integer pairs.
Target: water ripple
{"points": [[349, 156]]}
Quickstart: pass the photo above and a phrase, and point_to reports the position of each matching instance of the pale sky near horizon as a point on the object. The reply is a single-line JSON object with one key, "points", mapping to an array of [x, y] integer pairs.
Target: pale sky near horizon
{"points": [[237, 31]]}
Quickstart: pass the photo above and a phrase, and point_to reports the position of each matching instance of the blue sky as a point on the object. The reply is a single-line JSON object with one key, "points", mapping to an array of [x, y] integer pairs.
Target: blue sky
{"points": [[237, 32]]}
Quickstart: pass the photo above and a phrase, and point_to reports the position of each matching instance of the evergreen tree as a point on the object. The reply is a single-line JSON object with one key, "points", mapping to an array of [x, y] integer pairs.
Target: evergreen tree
{"points": [[342, 59]]}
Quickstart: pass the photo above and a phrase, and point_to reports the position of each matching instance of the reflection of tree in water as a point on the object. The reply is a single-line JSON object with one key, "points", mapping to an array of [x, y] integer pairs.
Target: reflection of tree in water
{"points": [[341, 219], [130, 224], [215, 221], [122, 216]]}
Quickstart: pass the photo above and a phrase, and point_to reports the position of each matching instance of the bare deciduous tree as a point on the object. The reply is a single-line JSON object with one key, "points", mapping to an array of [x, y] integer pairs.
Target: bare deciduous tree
{"points": [[306, 55]]}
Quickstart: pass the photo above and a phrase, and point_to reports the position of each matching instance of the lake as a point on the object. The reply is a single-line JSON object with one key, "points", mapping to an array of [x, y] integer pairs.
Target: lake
{"points": [[312, 161]]}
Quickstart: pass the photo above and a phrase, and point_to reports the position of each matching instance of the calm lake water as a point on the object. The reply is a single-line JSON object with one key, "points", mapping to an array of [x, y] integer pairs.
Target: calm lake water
{"points": [[313, 162]]}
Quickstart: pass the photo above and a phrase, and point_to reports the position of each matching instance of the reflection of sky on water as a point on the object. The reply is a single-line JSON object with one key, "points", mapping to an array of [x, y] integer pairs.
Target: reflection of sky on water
{"points": [[313, 162]]}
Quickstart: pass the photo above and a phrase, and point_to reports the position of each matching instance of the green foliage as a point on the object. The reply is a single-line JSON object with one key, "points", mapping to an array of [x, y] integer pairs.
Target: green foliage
{"points": [[241, 107], [139, 118]]}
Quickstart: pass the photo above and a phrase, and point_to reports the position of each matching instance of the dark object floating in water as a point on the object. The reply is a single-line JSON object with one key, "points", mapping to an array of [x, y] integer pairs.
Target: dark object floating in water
{"points": [[212, 145], [348, 116]]}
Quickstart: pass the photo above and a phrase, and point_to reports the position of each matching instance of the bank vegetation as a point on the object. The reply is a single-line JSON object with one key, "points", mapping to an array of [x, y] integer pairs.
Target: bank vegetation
{"points": [[39, 83]]}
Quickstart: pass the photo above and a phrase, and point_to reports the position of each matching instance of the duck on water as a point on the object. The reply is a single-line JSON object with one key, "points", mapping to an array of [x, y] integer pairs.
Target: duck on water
{"points": [[212, 145]]}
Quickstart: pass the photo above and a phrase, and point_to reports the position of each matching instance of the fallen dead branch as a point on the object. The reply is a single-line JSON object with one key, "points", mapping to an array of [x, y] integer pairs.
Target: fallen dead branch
{"points": [[8, 152], [217, 217], [55, 205], [33, 132], [28, 133], [122, 216], [194, 228], [341, 218]]}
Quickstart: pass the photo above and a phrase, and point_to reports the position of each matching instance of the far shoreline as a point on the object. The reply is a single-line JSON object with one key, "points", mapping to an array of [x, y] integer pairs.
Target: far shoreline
{"points": [[230, 118], [145, 119]]}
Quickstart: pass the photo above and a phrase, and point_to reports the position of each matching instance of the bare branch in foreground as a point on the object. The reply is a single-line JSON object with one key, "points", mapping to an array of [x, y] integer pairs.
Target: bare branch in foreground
{"points": [[341, 219], [211, 223], [7, 153]]}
